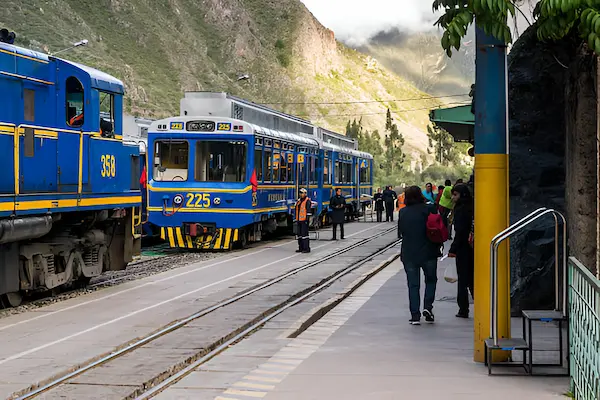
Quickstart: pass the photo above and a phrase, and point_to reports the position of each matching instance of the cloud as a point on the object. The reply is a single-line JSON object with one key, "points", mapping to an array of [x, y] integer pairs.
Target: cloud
{"points": [[355, 21]]}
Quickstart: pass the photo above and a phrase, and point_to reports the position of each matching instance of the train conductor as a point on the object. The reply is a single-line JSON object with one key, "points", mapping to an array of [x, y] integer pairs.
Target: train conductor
{"points": [[303, 207], [338, 206]]}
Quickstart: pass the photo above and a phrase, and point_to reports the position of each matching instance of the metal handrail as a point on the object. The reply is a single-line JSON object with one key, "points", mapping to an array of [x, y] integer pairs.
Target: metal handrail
{"points": [[505, 234]]}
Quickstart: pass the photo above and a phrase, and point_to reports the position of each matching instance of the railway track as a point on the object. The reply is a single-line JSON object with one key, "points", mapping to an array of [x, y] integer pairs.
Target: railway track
{"points": [[167, 374]]}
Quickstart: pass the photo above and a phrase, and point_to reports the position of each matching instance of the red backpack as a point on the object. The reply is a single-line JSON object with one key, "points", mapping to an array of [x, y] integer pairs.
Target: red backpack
{"points": [[436, 230]]}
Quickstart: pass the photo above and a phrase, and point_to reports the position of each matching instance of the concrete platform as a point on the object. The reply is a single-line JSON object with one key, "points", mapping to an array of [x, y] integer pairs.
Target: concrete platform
{"points": [[365, 349], [47, 341]]}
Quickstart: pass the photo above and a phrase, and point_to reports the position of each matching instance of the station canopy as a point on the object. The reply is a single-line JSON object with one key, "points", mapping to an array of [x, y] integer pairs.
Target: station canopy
{"points": [[457, 121]]}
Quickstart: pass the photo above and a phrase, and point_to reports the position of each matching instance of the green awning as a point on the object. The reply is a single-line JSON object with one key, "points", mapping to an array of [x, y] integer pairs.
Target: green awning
{"points": [[457, 121]]}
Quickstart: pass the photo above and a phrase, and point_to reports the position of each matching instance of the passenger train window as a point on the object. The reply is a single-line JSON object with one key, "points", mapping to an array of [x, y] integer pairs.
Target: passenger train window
{"points": [[74, 102], [220, 161], [258, 164], [170, 161], [313, 170], [283, 168], [276, 162], [338, 172], [365, 174], [107, 112], [326, 172], [301, 175], [268, 163]]}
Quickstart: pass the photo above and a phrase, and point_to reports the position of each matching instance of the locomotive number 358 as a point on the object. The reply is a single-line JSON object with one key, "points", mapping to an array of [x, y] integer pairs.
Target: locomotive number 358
{"points": [[109, 167]]}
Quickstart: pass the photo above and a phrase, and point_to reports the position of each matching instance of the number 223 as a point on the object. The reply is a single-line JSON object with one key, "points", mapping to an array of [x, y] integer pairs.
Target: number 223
{"points": [[198, 200]]}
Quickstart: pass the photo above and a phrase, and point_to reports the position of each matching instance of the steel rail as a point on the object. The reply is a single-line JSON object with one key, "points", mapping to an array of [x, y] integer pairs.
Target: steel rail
{"points": [[190, 368], [179, 324]]}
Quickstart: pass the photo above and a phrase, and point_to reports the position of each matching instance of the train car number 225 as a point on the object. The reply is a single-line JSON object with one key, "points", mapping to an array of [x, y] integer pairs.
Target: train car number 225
{"points": [[197, 200]]}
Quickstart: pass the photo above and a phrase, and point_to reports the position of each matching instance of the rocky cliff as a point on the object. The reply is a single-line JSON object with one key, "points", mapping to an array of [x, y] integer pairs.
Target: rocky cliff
{"points": [[161, 48], [537, 104]]}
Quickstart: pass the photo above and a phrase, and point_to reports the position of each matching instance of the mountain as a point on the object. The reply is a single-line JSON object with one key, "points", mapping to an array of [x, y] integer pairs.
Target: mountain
{"points": [[420, 59], [161, 48]]}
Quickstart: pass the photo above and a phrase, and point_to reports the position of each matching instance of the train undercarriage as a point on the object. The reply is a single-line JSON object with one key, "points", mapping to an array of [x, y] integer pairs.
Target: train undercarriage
{"points": [[52, 252]]}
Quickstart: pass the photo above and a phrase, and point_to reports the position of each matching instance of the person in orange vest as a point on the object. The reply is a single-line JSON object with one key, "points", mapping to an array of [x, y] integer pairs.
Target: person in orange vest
{"points": [[303, 206], [400, 203]]}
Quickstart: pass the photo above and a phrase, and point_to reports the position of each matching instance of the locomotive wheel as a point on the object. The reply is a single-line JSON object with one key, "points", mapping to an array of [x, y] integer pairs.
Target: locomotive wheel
{"points": [[13, 299]]}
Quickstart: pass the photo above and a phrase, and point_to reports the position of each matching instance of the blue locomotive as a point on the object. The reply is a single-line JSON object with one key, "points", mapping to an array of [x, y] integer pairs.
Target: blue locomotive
{"points": [[227, 171], [69, 192]]}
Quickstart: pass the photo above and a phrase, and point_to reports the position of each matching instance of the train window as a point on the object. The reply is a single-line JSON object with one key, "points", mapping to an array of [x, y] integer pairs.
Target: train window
{"points": [[74, 103], [220, 161], [29, 105], [258, 164], [283, 168], [107, 112], [338, 172], [313, 170], [302, 175], [326, 172], [170, 161], [276, 162], [348, 173], [267, 164], [365, 174]]}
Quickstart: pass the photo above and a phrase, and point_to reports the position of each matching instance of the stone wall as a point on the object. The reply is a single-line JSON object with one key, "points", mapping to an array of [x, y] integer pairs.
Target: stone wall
{"points": [[581, 156]]}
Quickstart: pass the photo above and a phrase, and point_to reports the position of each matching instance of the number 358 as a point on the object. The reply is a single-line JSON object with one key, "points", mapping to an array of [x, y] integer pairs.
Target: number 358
{"points": [[109, 168]]}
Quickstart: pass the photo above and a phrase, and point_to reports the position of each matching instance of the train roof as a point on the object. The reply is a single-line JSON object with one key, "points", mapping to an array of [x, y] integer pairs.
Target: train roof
{"points": [[339, 149], [99, 79], [227, 96], [292, 137]]}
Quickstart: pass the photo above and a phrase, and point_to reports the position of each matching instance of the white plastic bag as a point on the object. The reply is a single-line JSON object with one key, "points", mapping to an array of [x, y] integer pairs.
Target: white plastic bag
{"points": [[450, 275]]}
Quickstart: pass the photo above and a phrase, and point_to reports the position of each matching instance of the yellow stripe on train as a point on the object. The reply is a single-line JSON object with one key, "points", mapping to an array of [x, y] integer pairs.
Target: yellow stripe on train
{"points": [[223, 239]]}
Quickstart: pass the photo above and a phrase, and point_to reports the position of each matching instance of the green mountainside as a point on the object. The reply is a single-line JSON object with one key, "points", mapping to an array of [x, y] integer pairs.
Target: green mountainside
{"points": [[161, 48]]}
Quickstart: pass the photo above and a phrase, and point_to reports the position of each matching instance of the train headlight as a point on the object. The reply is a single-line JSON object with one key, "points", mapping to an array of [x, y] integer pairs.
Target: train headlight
{"points": [[217, 201], [178, 200]]}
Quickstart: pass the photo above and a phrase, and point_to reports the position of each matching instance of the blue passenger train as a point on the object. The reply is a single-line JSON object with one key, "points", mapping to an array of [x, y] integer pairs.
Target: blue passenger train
{"points": [[69, 193], [228, 170]]}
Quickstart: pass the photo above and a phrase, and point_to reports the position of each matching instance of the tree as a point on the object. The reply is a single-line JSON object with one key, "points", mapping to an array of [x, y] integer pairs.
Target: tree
{"points": [[394, 141], [354, 129], [555, 20], [441, 145]]}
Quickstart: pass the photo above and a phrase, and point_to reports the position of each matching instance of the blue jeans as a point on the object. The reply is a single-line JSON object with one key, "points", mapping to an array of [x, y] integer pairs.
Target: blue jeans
{"points": [[413, 277]]}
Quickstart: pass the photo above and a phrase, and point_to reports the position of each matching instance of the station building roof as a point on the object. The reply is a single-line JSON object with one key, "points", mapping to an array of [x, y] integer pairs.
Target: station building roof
{"points": [[457, 121]]}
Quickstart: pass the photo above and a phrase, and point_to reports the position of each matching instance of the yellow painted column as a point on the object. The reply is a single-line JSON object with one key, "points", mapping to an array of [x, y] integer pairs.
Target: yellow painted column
{"points": [[491, 217]]}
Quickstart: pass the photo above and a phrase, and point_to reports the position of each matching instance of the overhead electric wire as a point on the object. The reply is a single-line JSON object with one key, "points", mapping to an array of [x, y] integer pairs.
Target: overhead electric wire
{"points": [[378, 113], [365, 101]]}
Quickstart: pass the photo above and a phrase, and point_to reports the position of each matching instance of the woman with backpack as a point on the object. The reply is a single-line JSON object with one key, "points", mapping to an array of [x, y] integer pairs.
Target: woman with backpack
{"points": [[418, 252], [461, 247]]}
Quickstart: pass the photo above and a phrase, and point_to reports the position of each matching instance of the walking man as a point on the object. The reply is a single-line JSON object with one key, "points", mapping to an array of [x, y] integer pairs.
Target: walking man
{"points": [[379, 207], [303, 206], [338, 205]]}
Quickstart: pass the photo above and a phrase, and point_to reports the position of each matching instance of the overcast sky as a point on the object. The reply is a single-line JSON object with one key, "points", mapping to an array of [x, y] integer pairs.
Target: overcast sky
{"points": [[355, 21]]}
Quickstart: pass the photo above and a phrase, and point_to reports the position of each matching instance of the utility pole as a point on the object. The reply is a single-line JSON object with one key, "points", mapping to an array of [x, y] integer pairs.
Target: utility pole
{"points": [[491, 187]]}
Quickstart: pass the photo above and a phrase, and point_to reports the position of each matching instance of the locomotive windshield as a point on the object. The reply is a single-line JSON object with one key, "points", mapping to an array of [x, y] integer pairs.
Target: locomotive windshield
{"points": [[170, 161], [221, 161]]}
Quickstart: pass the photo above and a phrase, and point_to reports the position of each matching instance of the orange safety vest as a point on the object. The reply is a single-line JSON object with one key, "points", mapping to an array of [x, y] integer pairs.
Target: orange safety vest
{"points": [[400, 202], [301, 213]]}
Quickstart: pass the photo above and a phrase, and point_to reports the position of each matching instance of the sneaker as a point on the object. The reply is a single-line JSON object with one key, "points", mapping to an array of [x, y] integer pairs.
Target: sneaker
{"points": [[415, 321], [429, 317]]}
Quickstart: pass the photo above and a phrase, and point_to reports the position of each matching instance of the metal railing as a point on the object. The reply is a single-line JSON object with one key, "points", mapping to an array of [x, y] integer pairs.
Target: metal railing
{"points": [[584, 331], [508, 232]]}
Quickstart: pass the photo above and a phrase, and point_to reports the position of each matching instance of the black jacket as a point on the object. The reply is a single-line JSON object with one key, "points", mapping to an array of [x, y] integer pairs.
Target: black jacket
{"points": [[378, 198], [338, 214], [389, 196], [412, 229], [463, 221]]}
